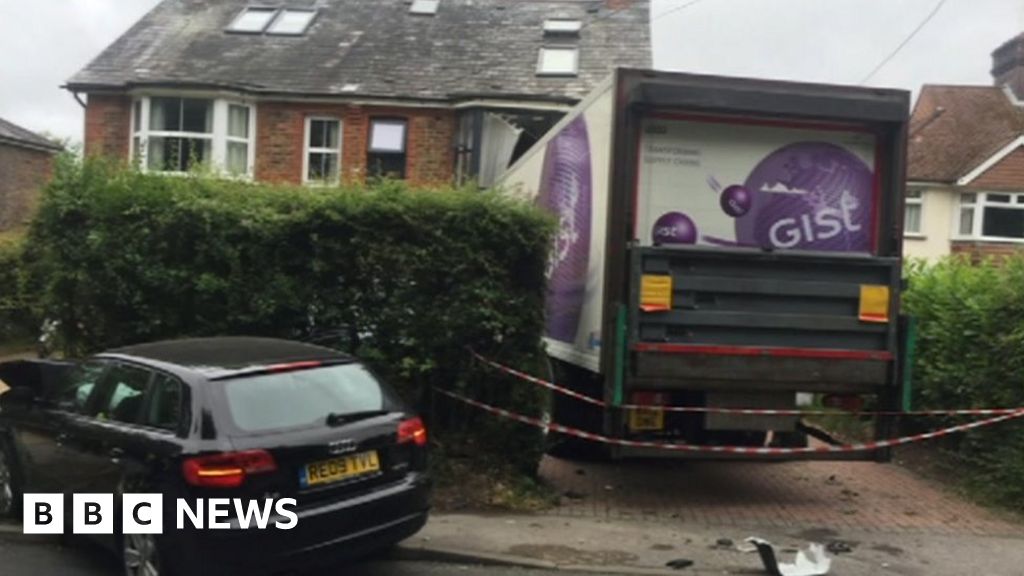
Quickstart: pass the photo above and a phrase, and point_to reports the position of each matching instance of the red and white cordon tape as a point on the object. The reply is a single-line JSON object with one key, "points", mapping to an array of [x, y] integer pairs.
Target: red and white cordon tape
{"points": [[744, 411], [694, 449]]}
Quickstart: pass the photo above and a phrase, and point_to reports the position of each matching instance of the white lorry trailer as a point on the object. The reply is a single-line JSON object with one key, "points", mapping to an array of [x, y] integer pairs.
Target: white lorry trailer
{"points": [[722, 242]]}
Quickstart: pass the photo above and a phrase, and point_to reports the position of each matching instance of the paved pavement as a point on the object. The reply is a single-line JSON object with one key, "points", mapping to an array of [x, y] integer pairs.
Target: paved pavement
{"points": [[21, 557], [640, 547], [865, 496]]}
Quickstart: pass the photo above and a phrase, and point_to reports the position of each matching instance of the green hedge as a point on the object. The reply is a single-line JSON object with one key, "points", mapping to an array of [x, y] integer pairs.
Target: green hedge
{"points": [[970, 353], [405, 279], [17, 320]]}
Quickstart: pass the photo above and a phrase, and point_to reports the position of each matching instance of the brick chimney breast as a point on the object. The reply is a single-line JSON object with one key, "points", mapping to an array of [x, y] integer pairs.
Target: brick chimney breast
{"points": [[1008, 65]]}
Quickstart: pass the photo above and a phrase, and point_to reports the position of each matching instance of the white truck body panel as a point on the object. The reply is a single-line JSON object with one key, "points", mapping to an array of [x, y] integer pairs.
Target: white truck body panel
{"points": [[568, 172]]}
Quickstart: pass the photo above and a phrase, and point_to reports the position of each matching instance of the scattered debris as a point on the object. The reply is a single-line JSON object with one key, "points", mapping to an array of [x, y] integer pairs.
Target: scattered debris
{"points": [[679, 563], [832, 480], [812, 562], [609, 487], [838, 547], [724, 543], [662, 547], [746, 548]]}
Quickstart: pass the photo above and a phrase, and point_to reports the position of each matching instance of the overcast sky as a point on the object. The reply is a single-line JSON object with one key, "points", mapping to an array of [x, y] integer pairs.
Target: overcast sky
{"points": [[43, 42]]}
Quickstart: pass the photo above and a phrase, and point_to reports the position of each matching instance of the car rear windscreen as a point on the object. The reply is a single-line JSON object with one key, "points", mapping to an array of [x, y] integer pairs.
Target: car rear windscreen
{"points": [[303, 398]]}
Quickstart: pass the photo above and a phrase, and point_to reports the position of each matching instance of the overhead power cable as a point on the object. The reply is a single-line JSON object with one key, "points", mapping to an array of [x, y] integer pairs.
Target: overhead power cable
{"points": [[887, 59], [679, 8]]}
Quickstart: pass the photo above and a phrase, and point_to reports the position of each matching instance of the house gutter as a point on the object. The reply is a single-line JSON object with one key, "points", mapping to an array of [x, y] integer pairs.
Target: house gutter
{"points": [[52, 149], [455, 101]]}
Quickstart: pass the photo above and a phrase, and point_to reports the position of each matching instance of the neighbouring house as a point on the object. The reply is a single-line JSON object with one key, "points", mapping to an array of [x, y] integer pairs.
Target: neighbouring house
{"points": [[965, 190], [317, 91], [26, 165]]}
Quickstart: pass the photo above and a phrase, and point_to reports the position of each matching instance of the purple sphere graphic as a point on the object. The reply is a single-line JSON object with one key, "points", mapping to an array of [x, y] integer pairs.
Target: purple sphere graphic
{"points": [[809, 196], [736, 201], [674, 228]]}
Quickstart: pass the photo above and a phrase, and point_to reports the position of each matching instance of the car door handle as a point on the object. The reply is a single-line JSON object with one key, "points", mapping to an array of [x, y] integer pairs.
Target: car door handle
{"points": [[116, 454]]}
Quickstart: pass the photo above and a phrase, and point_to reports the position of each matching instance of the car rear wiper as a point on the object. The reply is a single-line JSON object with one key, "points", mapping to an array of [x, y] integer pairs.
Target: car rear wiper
{"points": [[335, 419]]}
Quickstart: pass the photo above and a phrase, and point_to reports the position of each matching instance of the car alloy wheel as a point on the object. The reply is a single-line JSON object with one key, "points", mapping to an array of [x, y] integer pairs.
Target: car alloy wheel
{"points": [[6, 485], [140, 555]]}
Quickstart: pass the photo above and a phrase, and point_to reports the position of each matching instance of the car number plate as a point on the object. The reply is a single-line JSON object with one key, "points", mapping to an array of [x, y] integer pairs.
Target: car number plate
{"points": [[338, 469]]}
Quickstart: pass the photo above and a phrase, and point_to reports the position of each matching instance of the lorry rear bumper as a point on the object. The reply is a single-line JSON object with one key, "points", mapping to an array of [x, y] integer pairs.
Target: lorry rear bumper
{"points": [[667, 370]]}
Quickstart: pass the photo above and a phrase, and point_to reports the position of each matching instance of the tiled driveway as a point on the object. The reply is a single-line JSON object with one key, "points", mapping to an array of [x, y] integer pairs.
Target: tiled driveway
{"points": [[805, 496]]}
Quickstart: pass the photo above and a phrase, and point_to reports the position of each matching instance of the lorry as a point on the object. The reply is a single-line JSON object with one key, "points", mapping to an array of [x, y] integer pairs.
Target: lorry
{"points": [[722, 243]]}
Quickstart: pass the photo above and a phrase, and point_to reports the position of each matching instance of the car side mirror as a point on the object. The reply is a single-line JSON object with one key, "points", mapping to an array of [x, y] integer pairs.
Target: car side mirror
{"points": [[19, 397]]}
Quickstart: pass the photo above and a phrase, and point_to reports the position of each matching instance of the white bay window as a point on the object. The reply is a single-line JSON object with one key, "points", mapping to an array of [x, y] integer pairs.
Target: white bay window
{"points": [[174, 134], [991, 216]]}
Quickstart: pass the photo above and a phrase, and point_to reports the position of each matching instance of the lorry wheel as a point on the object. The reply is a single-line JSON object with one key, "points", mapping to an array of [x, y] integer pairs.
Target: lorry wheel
{"points": [[792, 439]]}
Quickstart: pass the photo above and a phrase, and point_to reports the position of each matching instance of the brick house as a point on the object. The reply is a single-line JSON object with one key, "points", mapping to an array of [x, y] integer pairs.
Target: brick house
{"points": [[305, 91], [965, 191], [26, 164]]}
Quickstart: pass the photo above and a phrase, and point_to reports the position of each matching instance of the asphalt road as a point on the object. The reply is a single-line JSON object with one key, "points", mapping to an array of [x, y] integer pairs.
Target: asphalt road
{"points": [[49, 559]]}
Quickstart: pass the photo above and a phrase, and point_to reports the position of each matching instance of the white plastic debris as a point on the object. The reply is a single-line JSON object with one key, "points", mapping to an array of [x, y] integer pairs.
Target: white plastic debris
{"points": [[811, 562]]}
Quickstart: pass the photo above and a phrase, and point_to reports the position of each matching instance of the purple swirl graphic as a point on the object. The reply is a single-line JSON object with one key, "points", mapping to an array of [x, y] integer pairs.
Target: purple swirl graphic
{"points": [[809, 196], [565, 191]]}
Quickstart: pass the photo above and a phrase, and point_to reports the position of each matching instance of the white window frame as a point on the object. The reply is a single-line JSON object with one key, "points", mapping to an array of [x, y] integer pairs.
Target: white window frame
{"points": [[249, 140], [981, 201], [269, 29], [424, 7], [218, 137], [918, 201], [575, 66], [307, 150], [562, 26], [274, 12]]}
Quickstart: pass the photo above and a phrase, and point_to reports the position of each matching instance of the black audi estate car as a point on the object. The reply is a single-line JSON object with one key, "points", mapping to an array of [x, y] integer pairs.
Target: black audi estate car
{"points": [[249, 418]]}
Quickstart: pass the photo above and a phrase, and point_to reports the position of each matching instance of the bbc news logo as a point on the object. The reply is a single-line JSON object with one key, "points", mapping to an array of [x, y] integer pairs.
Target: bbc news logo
{"points": [[144, 514]]}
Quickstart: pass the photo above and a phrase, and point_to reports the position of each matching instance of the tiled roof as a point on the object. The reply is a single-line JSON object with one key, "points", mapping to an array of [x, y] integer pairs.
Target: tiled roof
{"points": [[375, 48], [14, 134], [955, 128]]}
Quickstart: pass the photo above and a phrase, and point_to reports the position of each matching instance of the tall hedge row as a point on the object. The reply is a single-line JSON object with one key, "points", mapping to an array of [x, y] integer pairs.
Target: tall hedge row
{"points": [[970, 353], [405, 279], [16, 315]]}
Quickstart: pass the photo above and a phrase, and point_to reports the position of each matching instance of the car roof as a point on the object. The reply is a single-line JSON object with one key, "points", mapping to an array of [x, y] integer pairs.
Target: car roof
{"points": [[224, 356]]}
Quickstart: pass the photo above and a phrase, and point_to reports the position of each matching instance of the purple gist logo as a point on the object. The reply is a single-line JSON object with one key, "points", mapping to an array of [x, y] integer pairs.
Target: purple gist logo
{"points": [[809, 196], [565, 191]]}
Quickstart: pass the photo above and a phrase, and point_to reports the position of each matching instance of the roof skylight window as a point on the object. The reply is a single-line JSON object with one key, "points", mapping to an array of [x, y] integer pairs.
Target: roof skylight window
{"points": [[424, 7], [558, 26], [558, 61], [252, 20], [292, 22]]}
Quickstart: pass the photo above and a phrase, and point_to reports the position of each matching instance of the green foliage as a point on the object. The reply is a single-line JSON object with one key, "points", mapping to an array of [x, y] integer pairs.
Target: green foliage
{"points": [[970, 353], [406, 279], [17, 321]]}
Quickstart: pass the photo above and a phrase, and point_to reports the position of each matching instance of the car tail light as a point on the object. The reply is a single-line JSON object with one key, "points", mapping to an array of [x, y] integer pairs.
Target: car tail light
{"points": [[412, 430], [227, 470]]}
